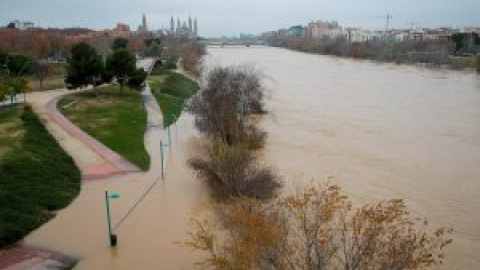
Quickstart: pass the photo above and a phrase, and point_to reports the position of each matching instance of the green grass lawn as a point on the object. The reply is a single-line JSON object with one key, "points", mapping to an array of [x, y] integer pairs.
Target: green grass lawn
{"points": [[115, 118], [171, 91], [36, 175]]}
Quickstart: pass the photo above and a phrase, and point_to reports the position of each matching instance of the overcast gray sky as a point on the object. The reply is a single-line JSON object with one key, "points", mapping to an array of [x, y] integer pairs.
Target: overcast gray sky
{"points": [[223, 17]]}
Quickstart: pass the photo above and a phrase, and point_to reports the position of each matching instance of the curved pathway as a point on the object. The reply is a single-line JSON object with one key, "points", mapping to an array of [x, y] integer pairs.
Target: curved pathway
{"points": [[112, 163]]}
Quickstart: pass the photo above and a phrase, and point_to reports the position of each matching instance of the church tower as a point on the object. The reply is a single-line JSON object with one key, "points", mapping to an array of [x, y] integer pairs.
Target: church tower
{"points": [[190, 28], [144, 23], [172, 25], [195, 27]]}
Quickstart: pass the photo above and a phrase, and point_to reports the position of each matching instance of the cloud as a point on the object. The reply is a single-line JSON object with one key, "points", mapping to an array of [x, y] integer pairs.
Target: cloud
{"points": [[220, 17]]}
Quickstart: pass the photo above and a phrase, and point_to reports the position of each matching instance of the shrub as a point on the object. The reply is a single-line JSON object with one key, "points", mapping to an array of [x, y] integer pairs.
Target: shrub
{"points": [[232, 171], [137, 78]]}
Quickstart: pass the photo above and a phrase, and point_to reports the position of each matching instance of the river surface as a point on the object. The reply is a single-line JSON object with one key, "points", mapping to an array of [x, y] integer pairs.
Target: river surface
{"points": [[380, 131]]}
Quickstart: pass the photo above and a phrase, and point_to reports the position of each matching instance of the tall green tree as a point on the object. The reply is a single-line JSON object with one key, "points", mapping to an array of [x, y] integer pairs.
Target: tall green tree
{"points": [[15, 65], [84, 66], [12, 85], [137, 78], [121, 64], [464, 42], [119, 43], [152, 48]]}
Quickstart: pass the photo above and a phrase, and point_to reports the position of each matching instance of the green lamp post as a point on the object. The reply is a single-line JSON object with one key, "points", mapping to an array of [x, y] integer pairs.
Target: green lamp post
{"points": [[111, 236]]}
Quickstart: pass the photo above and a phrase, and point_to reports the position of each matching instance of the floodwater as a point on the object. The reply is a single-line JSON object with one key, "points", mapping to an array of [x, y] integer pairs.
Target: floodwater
{"points": [[151, 236], [380, 131]]}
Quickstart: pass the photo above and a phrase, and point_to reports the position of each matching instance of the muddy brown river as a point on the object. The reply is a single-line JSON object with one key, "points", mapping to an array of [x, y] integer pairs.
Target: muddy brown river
{"points": [[380, 131]]}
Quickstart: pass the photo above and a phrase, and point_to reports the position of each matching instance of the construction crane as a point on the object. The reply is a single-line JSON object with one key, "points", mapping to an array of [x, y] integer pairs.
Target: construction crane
{"points": [[388, 17], [387, 24]]}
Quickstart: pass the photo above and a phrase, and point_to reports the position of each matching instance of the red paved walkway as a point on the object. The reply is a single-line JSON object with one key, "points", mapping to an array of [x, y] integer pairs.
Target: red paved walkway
{"points": [[114, 163]]}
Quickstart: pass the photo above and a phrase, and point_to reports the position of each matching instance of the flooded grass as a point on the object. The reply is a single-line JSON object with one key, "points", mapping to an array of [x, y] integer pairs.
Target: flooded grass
{"points": [[116, 118], [37, 176], [171, 90]]}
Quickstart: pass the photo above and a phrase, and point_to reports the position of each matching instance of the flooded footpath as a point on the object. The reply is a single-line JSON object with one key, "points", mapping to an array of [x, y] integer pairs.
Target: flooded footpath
{"points": [[378, 130], [160, 210]]}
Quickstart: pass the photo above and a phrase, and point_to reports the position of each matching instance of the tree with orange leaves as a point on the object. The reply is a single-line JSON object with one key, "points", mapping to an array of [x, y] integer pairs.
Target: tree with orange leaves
{"points": [[318, 229]]}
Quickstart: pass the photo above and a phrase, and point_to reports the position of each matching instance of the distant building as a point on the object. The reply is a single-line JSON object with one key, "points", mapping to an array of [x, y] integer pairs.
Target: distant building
{"points": [[470, 30], [246, 36], [297, 31], [430, 34], [361, 35], [17, 24], [144, 23], [195, 27], [121, 30], [325, 30], [143, 27]]}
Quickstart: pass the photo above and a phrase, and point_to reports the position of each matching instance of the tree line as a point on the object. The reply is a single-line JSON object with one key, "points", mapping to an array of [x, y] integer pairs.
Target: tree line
{"points": [[12, 70], [86, 67], [225, 111], [433, 52]]}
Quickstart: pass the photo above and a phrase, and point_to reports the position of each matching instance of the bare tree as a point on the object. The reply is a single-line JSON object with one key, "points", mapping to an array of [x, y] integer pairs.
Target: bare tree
{"points": [[224, 107], [41, 71]]}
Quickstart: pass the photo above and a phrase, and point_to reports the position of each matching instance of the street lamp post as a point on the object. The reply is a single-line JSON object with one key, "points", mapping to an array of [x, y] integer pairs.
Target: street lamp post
{"points": [[161, 160], [169, 136], [12, 94], [111, 236]]}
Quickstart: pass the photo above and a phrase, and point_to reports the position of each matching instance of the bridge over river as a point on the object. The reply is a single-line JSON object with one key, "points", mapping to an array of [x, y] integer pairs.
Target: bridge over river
{"points": [[233, 42]]}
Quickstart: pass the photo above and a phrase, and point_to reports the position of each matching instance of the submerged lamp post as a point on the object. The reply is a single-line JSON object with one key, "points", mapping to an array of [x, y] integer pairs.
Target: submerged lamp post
{"points": [[161, 159], [111, 236], [169, 136]]}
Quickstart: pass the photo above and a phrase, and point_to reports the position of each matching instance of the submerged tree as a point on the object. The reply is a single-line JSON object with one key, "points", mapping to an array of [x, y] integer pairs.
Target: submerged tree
{"points": [[233, 171], [318, 229], [223, 109]]}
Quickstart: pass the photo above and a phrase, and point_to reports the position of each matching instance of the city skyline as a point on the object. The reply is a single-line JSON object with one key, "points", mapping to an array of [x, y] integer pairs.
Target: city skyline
{"points": [[225, 19]]}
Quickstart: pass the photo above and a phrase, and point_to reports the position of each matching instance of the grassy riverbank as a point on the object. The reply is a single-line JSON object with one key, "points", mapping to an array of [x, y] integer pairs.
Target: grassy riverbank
{"points": [[171, 91], [36, 175], [115, 118]]}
